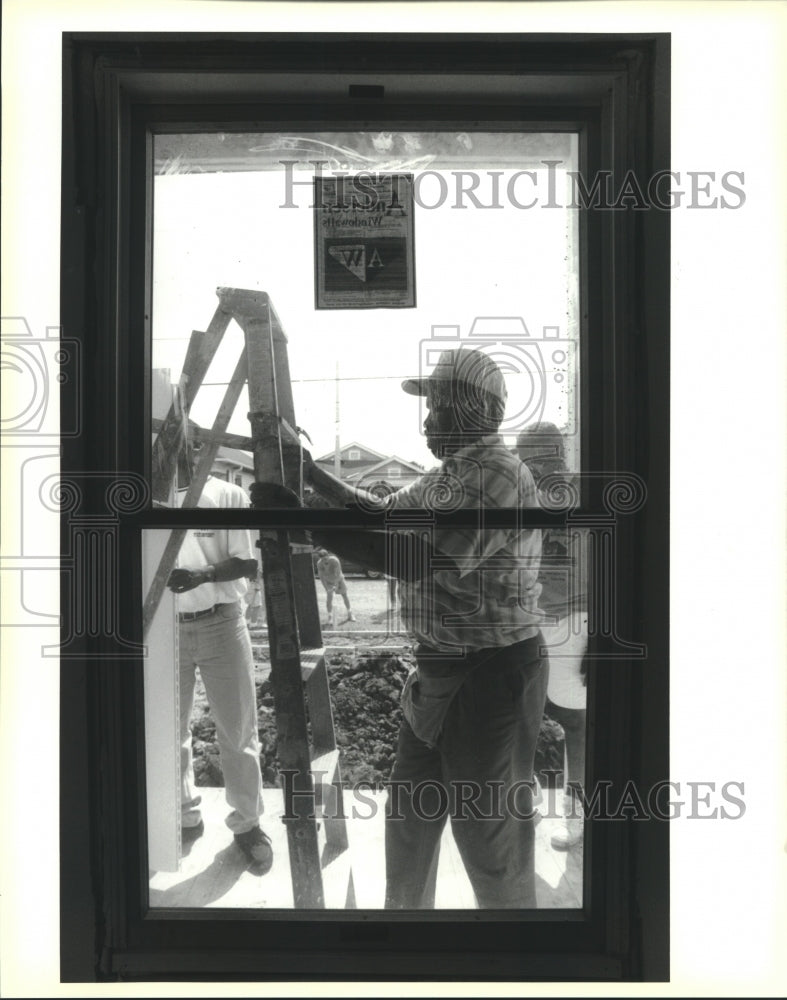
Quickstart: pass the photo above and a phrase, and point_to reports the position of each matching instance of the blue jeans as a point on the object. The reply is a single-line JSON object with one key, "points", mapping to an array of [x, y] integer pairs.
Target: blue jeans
{"points": [[476, 774], [219, 645]]}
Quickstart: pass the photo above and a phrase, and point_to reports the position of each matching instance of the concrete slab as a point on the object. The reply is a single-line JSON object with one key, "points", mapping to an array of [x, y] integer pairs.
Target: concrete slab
{"points": [[214, 872]]}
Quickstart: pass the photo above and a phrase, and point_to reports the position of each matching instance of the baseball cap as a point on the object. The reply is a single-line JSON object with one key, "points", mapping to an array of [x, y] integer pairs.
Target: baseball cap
{"points": [[541, 440], [467, 365]]}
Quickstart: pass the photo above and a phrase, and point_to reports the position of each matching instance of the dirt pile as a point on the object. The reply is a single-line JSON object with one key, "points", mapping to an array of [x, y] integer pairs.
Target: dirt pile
{"points": [[365, 689]]}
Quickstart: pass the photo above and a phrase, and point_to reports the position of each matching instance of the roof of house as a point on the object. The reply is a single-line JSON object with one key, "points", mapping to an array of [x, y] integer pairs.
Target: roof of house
{"points": [[234, 456], [346, 447], [380, 467]]}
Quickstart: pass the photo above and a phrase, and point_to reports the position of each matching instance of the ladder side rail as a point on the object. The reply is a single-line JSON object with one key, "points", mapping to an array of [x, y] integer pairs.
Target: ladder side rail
{"points": [[199, 354], [291, 720], [307, 606], [291, 725]]}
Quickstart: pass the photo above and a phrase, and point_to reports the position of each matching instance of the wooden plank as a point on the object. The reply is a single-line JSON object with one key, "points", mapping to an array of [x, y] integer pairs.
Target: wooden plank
{"points": [[320, 711], [325, 767], [159, 582], [201, 351], [199, 354], [306, 606], [337, 878], [162, 742], [228, 440], [204, 464]]}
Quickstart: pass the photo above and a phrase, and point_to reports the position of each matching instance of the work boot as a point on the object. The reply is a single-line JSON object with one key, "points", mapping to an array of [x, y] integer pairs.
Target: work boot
{"points": [[569, 834], [256, 845], [572, 829]]}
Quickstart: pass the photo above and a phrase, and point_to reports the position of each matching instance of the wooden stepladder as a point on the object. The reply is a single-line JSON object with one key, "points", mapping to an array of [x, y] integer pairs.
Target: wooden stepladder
{"points": [[313, 806]]}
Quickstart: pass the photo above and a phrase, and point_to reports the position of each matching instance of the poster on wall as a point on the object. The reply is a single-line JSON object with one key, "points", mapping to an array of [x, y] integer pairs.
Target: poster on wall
{"points": [[364, 248]]}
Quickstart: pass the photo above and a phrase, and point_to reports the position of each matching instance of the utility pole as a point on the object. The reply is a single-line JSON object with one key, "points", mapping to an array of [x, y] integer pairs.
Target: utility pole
{"points": [[337, 458]]}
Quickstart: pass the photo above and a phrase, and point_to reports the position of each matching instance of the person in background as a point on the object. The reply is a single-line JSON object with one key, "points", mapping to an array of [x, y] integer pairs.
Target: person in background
{"points": [[211, 581], [254, 614], [564, 597], [329, 569]]}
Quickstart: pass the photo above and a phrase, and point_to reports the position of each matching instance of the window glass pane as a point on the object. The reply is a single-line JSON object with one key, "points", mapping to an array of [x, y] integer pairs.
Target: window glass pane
{"points": [[215, 768], [495, 267]]}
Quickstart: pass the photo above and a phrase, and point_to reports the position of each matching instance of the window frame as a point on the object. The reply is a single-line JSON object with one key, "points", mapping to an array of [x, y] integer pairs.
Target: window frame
{"points": [[117, 89]]}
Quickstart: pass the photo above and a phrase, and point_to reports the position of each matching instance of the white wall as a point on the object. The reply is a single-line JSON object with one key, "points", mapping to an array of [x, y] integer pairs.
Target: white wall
{"points": [[728, 308]]}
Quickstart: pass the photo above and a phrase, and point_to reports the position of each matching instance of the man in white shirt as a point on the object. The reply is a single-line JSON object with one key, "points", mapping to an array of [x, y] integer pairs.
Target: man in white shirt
{"points": [[211, 582]]}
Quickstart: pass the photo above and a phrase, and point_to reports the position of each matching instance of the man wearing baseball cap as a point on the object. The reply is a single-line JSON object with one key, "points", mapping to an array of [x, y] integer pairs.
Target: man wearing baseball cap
{"points": [[469, 596]]}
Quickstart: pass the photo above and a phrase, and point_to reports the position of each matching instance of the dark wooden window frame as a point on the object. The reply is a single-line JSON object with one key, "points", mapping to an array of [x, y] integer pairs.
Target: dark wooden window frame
{"points": [[118, 90]]}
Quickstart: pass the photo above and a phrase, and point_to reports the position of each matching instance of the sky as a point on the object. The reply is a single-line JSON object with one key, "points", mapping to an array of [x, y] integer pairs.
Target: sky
{"points": [[228, 229]]}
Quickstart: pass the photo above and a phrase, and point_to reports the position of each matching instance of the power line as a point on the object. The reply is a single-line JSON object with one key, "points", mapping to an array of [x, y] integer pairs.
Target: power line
{"points": [[352, 378], [356, 378]]}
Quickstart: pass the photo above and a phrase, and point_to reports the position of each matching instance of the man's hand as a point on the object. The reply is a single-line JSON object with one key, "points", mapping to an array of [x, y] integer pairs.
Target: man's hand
{"points": [[337, 492], [182, 580]]}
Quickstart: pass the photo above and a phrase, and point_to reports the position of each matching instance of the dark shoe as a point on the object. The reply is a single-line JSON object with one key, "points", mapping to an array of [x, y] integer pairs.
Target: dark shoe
{"points": [[256, 845], [189, 834]]}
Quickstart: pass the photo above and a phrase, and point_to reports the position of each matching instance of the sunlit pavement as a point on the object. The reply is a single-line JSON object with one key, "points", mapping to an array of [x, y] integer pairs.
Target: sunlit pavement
{"points": [[214, 873]]}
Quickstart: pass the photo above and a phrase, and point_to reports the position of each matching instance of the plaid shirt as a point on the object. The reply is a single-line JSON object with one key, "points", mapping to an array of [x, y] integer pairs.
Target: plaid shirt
{"points": [[491, 598]]}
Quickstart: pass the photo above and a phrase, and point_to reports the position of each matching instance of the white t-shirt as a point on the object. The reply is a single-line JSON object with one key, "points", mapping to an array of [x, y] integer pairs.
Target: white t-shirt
{"points": [[208, 546]]}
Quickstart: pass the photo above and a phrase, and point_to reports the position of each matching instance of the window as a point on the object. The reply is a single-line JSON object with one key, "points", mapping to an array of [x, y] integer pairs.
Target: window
{"points": [[514, 93], [468, 188]]}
